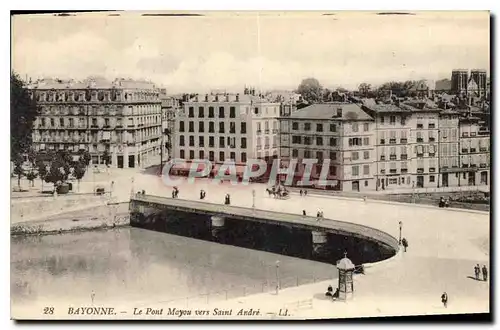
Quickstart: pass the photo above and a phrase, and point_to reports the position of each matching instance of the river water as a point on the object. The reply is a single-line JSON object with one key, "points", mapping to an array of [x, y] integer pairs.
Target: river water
{"points": [[138, 265]]}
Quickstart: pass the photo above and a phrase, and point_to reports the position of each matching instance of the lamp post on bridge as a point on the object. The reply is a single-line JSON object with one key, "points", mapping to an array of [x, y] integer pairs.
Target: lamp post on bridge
{"points": [[400, 230], [253, 198], [277, 276]]}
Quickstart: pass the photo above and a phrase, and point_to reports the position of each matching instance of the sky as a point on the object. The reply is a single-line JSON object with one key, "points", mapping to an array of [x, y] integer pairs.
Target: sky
{"points": [[268, 50]]}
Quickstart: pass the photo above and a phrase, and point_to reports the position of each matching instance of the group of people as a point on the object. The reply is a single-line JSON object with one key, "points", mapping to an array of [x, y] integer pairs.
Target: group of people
{"points": [[330, 293], [444, 202], [303, 192], [227, 200], [478, 270], [203, 194], [319, 215], [175, 192], [404, 242]]}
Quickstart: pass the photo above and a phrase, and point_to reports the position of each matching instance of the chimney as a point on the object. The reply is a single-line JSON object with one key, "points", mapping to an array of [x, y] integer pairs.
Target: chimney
{"points": [[206, 97], [216, 98], [238, 97], [227, 97], [339, 112]]}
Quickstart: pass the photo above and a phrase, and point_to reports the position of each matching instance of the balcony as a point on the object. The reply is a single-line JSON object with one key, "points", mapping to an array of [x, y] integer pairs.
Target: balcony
{"points": [[382, 157], [266, 146], [393, 170], [404, 156], [432, 139], [483, 149], [275, 131], [404, 170], [403, 141], [482, 165], [266, 131], [420, 140], [420, 125], [420, 170], [392, 157], [432, 154], [382, 171], [432, 126], [275, 145], [472, 149], [259, 131], [382, 141], [465, 165], [464, 150], [420, 154], [432, 169], [392, 141]]}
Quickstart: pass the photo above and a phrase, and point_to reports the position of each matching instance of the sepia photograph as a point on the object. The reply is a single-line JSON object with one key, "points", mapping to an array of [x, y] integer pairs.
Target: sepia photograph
{"points": [[250, 165]]}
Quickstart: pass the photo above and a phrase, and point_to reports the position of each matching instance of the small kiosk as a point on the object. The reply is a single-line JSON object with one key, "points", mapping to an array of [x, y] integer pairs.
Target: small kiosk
{"points": [[346, 284]]}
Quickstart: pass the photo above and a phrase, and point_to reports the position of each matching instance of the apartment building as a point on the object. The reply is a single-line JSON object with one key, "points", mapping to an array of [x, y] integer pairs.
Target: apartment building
{"points": [[474, 152], [221, 127], [392, 142], [449, 156], [121, 119], [340, 132], [170, 105], [424, 132]]}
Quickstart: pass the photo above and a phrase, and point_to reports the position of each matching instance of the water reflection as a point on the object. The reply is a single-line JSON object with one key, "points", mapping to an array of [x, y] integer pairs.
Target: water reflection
{"points": [[139, 265]]}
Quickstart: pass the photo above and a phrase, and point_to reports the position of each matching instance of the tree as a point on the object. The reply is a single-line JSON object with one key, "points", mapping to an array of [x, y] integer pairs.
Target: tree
{"points": [[311, 90], [18, 169], [85, 157], [79, 172], [31, 176], [106, 157], [23, 112], [364, 89]]}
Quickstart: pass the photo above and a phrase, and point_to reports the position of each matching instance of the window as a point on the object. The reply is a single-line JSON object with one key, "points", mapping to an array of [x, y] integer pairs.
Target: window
{"points": [[392, 120], [201, 127], [366, 141], [381, 119], [296, 139], [256, 111], [191, 126], [354, 155], [404, 139], [211, 156], [432, 125], [366, 183], [181, 141], [366, 127], [333, 155], [432, 178], [403, 122], [295, 126], [307, 140], [355, 170], [232, 113], [307, 126], [366, 169], [354, 141], [382, 137], [319, 127], [333, 170], [319, 156], [191, 154], [221, 112], [431, 136], [355, 127], [333, 142], [221, 127], [243, 157], [333, 128], [211, 142], [221, 156], [202, 154], [232, 156], [201, 112], [181, 154], [366, 155], [243, 143], [61, 122], [221, 142], [243, 128], [201, 141], [232, 128], [231, 142], [211, 127], [419, 137], [211, 112], [72, 123], [295, 153], [319, 141], [191, 112], [307, 153]]}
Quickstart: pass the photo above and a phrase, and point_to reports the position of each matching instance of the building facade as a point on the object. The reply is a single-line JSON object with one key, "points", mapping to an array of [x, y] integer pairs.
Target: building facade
{"points": [[221, 127], [117, 122], [474, 152], [340, 132], [170, 106], [449, 154]]}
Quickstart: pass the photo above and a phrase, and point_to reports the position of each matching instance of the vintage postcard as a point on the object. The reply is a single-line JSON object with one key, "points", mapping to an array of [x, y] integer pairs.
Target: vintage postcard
{"points": [[250, 165]]}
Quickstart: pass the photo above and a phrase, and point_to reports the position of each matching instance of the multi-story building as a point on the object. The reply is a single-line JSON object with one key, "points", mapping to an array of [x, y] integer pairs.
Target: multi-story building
{"points": [[224, 127], [449, 157], [474, 152], [424, 131], [341, 132], [393, 141], [119, 119], [169, 106]]}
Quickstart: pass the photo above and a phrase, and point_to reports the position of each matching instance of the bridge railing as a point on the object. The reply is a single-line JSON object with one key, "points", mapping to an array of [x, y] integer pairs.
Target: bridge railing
{"points": [[325, 223], [204, 299]]}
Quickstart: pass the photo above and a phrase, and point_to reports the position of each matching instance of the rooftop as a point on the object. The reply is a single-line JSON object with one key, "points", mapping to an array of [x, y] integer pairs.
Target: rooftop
{"points": [[91, 82], [350, 111], [230, 97]]}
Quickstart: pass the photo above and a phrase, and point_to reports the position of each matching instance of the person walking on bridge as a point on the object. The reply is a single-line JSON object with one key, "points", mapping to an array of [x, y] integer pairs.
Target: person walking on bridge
{"points": [[477, 270], [444, 299], [405, 243]]}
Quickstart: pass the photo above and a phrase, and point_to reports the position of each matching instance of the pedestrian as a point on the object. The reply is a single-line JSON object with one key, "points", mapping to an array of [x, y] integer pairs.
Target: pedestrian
{"points": [[477, 271], [201, 194], [305, 192], [300, 192], [444, 299], [303, 212], [173, 193], [92, 296], [441, 202], [405, 244], [318, 214], [485, 273], [176, 192]]}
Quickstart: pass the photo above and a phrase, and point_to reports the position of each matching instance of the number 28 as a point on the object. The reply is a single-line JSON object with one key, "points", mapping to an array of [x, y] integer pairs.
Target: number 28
{"points": [[48, 310]]}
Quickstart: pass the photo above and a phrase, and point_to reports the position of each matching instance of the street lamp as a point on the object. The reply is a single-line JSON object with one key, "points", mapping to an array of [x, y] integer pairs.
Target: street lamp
{"points": [[400, 229], [253, 198], [277, 276], [132, 188]]}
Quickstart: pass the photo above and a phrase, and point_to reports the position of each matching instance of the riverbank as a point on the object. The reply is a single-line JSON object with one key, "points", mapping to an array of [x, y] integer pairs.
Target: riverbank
{"points": [[107, 216]]}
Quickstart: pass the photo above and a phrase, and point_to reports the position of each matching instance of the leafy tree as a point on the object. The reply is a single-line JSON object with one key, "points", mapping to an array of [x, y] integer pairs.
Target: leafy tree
{"points": [[18, 169], [79, 172], [106, 157], [85, 157], [364, 89], [311, 90], [57, 173], [31, 176], [23, 112]]}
